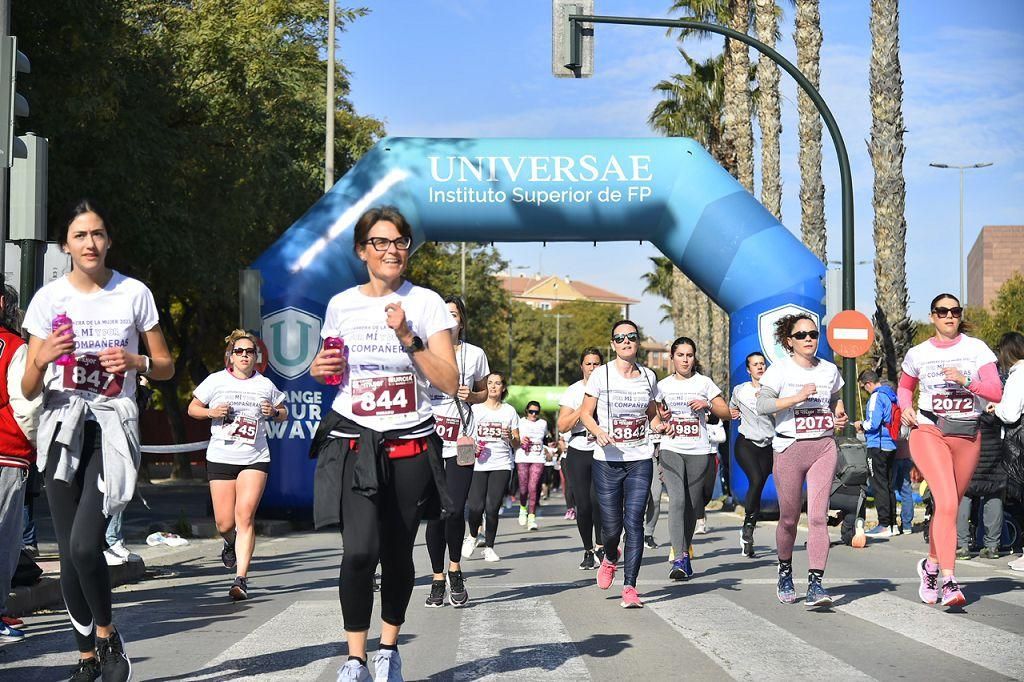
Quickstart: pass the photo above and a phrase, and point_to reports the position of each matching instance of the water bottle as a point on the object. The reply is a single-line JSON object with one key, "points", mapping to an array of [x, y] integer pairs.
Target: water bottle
{"points": [[67, 359], [334, 343]]}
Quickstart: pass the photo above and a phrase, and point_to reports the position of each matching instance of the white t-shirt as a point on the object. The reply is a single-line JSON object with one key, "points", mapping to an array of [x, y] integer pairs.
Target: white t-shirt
{"points": [[536, 432], [473, 367], [579, 438], [688, 430], [812, 418], [384, 390], [243, 439], [622, 412], [925, 362], [113, 316], [496, 454]]}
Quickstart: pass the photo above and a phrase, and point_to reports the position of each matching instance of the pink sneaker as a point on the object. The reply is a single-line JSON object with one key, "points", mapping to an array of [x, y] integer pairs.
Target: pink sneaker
{"points": [[951, 594], [630, 599], [605, 574], [928, 591]]}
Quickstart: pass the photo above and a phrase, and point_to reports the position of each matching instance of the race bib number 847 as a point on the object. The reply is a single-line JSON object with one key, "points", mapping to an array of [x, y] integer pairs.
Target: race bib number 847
{"points": [[87, 374]]}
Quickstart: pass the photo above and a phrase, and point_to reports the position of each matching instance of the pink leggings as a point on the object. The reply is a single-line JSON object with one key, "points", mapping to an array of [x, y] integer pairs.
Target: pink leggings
{"points": [[815, 461], [947, 464], [529, 484]]}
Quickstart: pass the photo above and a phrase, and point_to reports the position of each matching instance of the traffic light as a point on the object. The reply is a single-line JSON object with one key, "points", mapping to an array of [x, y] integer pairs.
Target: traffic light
{"points": [[572, 44], [12, 104], [28, 190]]}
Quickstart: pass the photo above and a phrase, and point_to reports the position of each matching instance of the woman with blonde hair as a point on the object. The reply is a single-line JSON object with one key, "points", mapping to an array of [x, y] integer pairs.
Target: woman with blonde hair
{"points": [[239, 400]]}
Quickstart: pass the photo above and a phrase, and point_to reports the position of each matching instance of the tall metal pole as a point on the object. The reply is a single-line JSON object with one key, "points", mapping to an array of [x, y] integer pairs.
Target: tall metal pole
{"points": [[961, 168], [463, 288], [329, 142], [5, 27], [558, 343]]}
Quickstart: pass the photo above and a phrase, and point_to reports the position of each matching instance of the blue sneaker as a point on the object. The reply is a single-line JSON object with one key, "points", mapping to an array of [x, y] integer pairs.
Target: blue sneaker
{"points": [[9, 634], [678, 571], [816, 594], [786, 590]]}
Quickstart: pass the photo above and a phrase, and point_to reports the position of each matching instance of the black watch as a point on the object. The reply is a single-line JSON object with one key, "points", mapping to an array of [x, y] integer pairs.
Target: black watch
{"points": [[415, 346]]}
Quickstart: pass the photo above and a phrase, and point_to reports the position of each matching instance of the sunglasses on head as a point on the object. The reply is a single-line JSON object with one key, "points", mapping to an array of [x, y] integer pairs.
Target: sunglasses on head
{"points": [[800, 336], [943, 311], [243, 351], [533, 412], [382, 243], [619, 338]]}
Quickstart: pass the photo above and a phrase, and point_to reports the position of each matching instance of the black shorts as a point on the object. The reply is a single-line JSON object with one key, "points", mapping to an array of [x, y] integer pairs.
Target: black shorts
{"points": [[218, 471]]}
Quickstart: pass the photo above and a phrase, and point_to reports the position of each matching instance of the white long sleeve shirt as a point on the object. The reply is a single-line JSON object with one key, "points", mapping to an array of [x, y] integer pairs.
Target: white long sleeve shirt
{"points": [[1010, 408]]}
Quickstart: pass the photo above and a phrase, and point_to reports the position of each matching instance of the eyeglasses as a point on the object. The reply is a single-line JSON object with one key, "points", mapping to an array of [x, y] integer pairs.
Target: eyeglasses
{"points": [[382, 243], [533, 412], [619, 338], [943, 311], [243, 351], [800, 336]]}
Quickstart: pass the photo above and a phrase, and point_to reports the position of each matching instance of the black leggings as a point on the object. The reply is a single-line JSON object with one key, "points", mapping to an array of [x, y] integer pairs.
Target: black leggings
{"points": [[581, 482], [77, 512], [448, 532], [708, 489], [381, 528], [756, 463], [485, 496]]}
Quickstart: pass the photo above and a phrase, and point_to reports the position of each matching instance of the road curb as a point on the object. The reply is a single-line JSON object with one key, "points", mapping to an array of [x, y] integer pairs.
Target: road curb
{"points": [[46, 592]]}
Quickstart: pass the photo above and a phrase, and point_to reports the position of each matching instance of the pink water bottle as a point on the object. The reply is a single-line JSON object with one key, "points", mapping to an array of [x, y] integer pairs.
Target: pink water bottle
{"points": [[67, 359], [334, 343]]}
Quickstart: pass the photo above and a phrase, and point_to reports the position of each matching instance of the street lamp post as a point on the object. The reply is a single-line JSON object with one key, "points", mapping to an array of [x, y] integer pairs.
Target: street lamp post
{"points": [[510, 268], [329, 137], [961, 169], [558, 336]]}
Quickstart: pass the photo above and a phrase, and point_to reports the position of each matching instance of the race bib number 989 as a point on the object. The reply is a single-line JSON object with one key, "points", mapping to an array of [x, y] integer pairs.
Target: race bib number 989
{"points": [[683, 427], [87, 374]]}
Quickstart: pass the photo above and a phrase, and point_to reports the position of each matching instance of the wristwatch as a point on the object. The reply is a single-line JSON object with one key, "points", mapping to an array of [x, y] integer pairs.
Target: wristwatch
{"points": [[149, 365], [415, 346]]}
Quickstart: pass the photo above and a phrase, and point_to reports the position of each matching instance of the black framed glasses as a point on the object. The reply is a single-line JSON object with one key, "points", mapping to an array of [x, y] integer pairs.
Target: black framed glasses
{"points": [[382, 243], [243, 351], [619, 338], [943, 311], [800, 336]]}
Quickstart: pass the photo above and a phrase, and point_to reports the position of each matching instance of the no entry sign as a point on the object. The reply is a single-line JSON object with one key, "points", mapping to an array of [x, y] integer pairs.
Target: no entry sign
{"points": [[850, 333]]}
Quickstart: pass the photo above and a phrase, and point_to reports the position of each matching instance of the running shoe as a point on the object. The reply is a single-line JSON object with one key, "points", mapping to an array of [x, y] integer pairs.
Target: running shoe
{"points": [[678, 571], [1017, 564], [12, 621], [239, 589], [531, 522], [588, 563], [227, 556], [9, 634], [630, 599], [895, 530], [786, 591], [605, 574], [113, 559], [951, 594], [115, 666], [927, 591], [649, 542], [522, 515], [599, 554], [963, 553], [687, 565], [120, 550], [435, 599], [860, 538], [879, 532], [87, 670], [468, 545], [458, 595], [570, 514], [816, 594], [988, 553], [491, 555], [702, 527], [387, 666], [353, 671], [747, 541]]}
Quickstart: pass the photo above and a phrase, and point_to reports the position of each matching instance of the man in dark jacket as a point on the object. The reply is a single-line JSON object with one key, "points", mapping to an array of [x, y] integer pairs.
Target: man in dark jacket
{"points": [[878, 415], [985, 493]]}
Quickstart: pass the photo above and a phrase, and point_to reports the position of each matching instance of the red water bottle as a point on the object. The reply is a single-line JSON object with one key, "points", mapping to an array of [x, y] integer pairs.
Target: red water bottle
{"points": [[67, 359], [334, 343]]}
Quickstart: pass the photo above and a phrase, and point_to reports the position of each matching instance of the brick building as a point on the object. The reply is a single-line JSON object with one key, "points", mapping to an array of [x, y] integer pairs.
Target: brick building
{"points": [[997, 254]]}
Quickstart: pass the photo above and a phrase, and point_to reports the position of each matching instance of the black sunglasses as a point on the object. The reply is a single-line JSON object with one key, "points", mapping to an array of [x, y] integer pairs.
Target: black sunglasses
{"points": [[943, 311], [800, 336], [382, 243], [243, 351], [533, 412], [619, 338]]}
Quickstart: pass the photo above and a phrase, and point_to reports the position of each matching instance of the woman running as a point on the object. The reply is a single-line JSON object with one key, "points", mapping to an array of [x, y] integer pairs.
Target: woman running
{"points": [[530, 460], [686, 452], [379, 467], [453, 415], [619, 407], [802, 393], [497, 434], [753, 446], [956, 375], [83, 355], [239, 400], [579, 459]]}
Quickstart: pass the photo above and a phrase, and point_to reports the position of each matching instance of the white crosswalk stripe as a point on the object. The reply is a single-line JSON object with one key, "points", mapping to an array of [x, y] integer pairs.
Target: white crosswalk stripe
{"points": [[746, 646]]}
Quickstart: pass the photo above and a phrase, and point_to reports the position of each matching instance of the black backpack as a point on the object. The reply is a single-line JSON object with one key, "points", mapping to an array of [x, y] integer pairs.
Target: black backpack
{"points": [[1013, 451]]}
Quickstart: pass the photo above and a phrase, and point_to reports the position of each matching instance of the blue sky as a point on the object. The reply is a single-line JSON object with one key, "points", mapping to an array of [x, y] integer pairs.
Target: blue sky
{"points": [[482, 68]]}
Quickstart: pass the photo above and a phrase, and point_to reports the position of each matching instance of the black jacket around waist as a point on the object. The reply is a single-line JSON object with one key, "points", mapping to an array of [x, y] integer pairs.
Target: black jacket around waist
{"points": [[989, 477], [372, 468]]}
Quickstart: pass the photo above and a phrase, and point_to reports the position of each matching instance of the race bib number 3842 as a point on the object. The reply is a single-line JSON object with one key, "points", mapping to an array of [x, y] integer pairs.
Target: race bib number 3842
{"points": [[629, 430], [384, 396], [87, 374]]}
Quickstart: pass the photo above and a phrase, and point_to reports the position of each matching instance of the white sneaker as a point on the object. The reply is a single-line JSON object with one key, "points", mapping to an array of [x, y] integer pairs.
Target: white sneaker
{"points": [[894, 531], [468, 545], [702, 527], [1017, 564], [531, 522], [491, 555], [387, 666], [114, 559], [353, 671]]}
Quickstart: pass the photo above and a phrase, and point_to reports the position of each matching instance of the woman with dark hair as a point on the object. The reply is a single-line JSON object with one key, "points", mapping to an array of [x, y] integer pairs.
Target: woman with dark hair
{"points": [[801, 392], [686, 451], [239, 401], [1010, 408], [83, 356], [530, 461], [753, 446], [379, 468], [956, 375], [496, 426], [620, 405], [453, 414], [579, 460]]}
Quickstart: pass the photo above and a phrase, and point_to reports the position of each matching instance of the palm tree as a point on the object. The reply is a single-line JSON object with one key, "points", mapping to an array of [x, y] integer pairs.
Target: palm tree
{"points": [[659, 282], [895, 329], [769, 116], [812, 189], [738, 113]]}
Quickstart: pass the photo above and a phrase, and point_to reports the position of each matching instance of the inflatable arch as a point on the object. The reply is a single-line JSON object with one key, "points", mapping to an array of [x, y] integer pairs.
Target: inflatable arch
{"points": [[668, 191]]}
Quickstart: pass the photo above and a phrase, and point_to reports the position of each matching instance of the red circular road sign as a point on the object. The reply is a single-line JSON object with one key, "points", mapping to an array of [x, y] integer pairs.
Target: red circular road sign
{"points": [[850, 333]]}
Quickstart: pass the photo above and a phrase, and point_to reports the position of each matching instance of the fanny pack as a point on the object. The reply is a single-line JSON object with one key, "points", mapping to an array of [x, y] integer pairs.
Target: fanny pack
{"points": [[952, 426], [465, 446]]}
